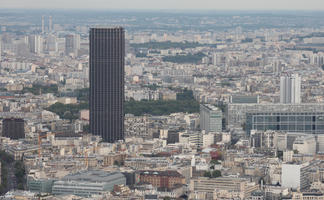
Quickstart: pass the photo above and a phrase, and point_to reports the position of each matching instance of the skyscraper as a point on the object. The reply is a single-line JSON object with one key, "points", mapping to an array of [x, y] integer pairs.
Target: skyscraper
{"points": [[72, 44], [290, 89], [35, 44], [13, 128], [107, 52], [43, 24], [50, 24], [210, 118]]}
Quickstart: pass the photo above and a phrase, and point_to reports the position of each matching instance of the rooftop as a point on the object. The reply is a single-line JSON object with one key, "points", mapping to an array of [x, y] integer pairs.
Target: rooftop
{"points": [[94, 176], [162, 173]]}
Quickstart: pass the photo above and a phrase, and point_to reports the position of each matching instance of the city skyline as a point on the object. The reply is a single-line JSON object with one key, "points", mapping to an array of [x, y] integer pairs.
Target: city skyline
{"points": [[162, 104]]}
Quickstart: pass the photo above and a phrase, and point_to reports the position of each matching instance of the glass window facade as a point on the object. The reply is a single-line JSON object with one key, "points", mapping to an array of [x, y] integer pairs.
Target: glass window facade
{"points": [[286, 121]]}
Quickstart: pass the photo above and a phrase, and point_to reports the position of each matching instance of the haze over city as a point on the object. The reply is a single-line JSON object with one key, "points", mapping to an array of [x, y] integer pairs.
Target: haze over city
{"points": [[162, 100], [167, 4]]}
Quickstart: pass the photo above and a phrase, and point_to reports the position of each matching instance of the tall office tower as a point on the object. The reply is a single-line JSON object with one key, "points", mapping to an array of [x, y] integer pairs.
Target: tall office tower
{"points": [[51, 43], [13, 128], [214, 59], [72, 44], [50, 24], [35, 44], [43, 24], [210, 118], [107, 52], [290, 89]]}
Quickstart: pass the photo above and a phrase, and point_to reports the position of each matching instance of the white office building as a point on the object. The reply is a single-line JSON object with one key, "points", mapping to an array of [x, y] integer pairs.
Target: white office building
{"points": [[35, 44], [290, 89], [295, 176]]}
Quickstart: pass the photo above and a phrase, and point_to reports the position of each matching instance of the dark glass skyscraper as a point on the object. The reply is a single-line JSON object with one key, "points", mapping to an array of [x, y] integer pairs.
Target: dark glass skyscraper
{"points": [[13, 128], [107, 52]]}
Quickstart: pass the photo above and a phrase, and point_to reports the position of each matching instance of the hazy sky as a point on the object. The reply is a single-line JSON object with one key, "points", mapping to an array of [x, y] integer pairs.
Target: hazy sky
{"points": [[169, 4]]}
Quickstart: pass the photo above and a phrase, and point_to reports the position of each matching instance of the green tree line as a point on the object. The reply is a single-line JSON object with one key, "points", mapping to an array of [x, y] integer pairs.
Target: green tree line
{"points": [[44, 89], [19, 171], [67, 111], [185, 103], [189, 58], [161, 107], [167, 45]]}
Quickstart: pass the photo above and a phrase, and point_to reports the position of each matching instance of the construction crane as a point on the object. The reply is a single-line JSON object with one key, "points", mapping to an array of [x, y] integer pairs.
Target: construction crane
{"points": [[86, 160], [40, 143]]}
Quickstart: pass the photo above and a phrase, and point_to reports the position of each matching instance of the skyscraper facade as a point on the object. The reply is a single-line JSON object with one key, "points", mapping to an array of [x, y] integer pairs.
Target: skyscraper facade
{"points": [[107, 52], [72, 44], [43, 24], [35, 44], [210, 118], [290, 89], [50, 24], [13, 128]]}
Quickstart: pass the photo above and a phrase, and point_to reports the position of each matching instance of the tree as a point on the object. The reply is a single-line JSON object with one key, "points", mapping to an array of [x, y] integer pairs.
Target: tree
{"points": [[216, 174], [20, 186], [214, 162], [86, 128], [207, 174]]}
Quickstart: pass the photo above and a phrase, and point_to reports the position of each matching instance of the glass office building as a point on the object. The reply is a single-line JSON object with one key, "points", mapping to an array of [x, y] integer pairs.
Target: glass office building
{"points": [[210, 118], [106, 60], [303, 122], [235, 114]]}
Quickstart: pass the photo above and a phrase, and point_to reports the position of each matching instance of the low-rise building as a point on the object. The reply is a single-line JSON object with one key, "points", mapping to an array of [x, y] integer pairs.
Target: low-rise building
{"points": [[88, 183], [160, 179], [211, 186]]}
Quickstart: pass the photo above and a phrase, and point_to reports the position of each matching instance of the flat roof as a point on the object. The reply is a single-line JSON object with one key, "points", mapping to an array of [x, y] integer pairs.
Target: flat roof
{"points": [[94, 176], [211, 107]]}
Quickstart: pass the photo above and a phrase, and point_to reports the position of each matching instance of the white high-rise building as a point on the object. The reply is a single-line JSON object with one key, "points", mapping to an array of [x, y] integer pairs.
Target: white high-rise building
{"points": [[35, 44], [43, 24], [290, 89], [50, 24], [51, 43]]}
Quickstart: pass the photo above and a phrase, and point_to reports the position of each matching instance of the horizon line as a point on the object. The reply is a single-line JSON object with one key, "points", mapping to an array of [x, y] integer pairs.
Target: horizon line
{"points": [[166, 10]]}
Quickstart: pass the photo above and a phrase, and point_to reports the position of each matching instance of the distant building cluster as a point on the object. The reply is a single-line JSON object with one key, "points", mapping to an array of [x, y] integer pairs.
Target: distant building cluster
{"points": [[168, 106]]}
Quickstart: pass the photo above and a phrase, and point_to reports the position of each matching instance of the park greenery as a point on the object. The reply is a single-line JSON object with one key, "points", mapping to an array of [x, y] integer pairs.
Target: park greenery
{"points": [[167, 45], [189, 58], [20, 174], [213, 174], [185, 95], [214, 162], [37, 89], [82, 94], [68, 111], [152, 86], [185, 102], [160, 107], [19, 171]]}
